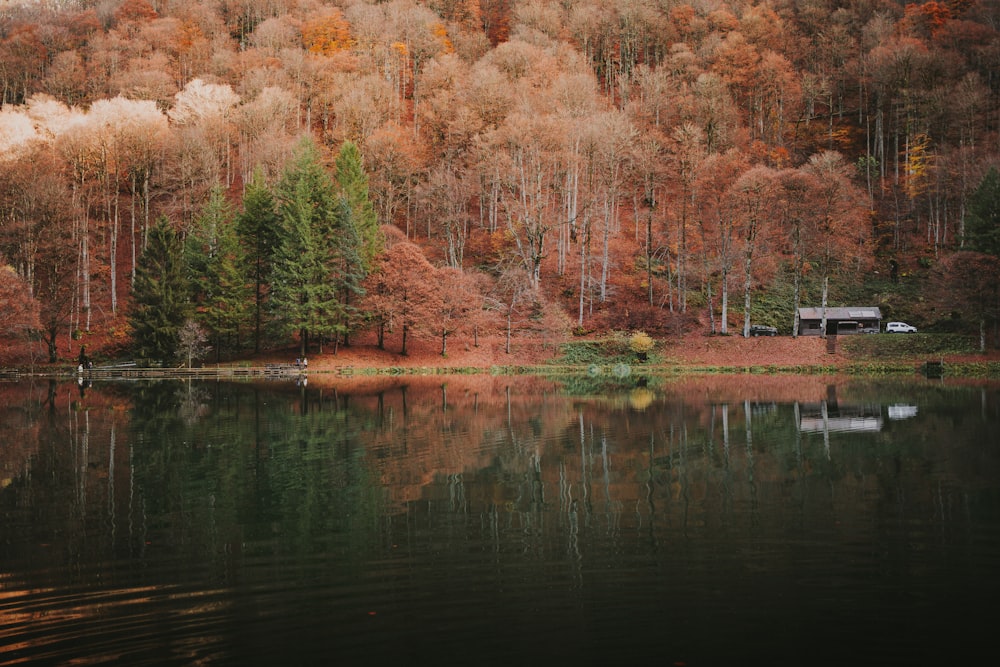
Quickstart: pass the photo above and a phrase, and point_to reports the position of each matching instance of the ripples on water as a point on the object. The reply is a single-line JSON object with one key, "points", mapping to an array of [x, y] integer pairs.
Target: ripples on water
{"points": [[216, 524]]}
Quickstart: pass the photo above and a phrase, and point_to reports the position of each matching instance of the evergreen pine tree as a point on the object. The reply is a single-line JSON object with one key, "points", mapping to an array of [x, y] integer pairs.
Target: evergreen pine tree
{"points": [[303, 298], [348, 273], [318, 264], [982, 220], [219, 287], [258, 230], [160, 296], [353, 182]]}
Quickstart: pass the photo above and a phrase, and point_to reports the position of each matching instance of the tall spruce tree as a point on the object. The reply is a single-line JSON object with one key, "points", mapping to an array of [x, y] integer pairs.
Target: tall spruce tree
{"points": [[306, 290], [348, 273], [982, 220], [258, 229], [160, 296], [220, 289], [353, 185]]}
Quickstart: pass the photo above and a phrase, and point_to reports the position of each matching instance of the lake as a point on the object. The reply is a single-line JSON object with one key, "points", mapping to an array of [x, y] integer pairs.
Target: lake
{"points": [[603, 519]]}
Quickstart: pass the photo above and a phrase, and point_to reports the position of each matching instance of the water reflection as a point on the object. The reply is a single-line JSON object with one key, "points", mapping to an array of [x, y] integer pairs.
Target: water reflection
{"points": [[283, 522], [832, 415], [897, 412], [824, 418]]}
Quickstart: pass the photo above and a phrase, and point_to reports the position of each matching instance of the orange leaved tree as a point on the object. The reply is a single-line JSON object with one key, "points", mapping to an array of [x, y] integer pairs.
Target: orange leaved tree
{"points": [[20, 309], [401, 292], [453, 310]]}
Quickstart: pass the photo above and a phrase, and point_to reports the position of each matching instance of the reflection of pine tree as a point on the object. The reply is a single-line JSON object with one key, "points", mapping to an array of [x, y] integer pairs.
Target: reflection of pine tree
{"points": [[160, 302]]}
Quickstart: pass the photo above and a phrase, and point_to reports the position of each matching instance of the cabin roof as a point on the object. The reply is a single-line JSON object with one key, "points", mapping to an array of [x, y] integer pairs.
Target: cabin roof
{"points": [[841, 314]]}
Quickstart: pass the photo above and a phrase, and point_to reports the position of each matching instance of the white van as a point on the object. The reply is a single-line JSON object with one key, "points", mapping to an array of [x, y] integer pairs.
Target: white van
{"points": [[899, 327]]}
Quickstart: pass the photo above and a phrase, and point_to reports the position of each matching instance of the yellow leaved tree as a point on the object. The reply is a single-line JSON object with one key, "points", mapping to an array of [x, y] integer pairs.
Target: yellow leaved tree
{"points": [[327, 34]]}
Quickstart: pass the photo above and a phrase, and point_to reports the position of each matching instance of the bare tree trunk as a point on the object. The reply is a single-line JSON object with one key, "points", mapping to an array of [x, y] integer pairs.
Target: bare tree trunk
{"points": [[113, 251], [711, 307], [605, 252], [584, 269], [682, 258], [724, 316], [747, 287], [826, 290], [85, 268], [649, 254], [795, 306], [131, 236]]}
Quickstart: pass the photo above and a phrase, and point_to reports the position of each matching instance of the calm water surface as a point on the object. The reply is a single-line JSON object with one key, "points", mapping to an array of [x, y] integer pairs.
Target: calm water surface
{"points": [[516, 521]]}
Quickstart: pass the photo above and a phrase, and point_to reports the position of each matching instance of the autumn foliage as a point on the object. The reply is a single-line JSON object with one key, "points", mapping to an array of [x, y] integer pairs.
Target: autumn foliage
{"points": [[19, 308], [327, 34], [596, 166]]}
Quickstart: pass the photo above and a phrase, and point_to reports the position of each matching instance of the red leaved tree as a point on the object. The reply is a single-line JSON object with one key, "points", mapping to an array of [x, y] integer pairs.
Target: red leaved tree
{"points": [[453, 310], [401, 292], [19, 308]]}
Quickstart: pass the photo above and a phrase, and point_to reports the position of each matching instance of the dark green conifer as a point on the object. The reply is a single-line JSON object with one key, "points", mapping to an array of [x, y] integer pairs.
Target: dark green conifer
{"points": [[220, 288], [258, 230], [160, 296], [303, 298], [348, 273], [353, 183], [982, 219]]}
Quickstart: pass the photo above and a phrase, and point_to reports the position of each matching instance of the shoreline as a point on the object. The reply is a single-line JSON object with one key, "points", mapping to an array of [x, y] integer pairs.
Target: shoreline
{"points": [[930, 369], [692, 355]]}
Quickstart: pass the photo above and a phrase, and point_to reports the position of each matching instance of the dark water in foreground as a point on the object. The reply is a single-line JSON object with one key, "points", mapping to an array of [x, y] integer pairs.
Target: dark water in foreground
{"points": [[488, 521]]}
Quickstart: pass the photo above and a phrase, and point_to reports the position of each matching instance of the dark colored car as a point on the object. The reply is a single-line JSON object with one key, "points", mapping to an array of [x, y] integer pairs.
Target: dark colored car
{"points": [[762, 330]]}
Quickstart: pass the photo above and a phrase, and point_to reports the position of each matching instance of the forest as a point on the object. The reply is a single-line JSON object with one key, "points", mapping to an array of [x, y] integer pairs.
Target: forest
{"points": [[186, 179]]}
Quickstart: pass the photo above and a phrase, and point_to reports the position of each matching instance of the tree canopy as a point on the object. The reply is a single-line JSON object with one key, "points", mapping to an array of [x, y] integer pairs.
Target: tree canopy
{"points": [[640, 162]]}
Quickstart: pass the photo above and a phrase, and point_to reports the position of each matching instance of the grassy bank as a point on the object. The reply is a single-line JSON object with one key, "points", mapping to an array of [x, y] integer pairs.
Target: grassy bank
{"points": [[908, 346], [611, 358]]}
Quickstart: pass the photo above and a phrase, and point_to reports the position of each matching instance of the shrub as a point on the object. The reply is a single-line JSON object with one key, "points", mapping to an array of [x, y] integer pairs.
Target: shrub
{"points": [[641, 343]]}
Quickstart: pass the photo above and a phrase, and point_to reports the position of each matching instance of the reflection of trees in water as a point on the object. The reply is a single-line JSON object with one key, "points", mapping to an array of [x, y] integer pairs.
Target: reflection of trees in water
{"points": [[192, 401], [72, 493], [308, 469]]}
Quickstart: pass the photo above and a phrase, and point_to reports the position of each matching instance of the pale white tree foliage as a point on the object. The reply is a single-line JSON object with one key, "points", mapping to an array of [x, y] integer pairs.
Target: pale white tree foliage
{"points": [[16, 130], [50, 116], [200, 100], [124, 115]]}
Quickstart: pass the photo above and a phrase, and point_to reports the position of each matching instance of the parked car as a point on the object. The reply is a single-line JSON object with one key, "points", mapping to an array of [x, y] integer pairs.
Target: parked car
{"points": [[762, 330], [899, 327]]}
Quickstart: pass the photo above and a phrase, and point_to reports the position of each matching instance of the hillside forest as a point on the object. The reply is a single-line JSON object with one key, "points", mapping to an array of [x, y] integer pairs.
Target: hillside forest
{"points": [[186, 179]]}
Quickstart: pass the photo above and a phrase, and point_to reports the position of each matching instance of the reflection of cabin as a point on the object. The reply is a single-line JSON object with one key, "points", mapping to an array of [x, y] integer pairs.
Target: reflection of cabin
{"points": [[839, 321], [897, 411], [829, 417]]}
